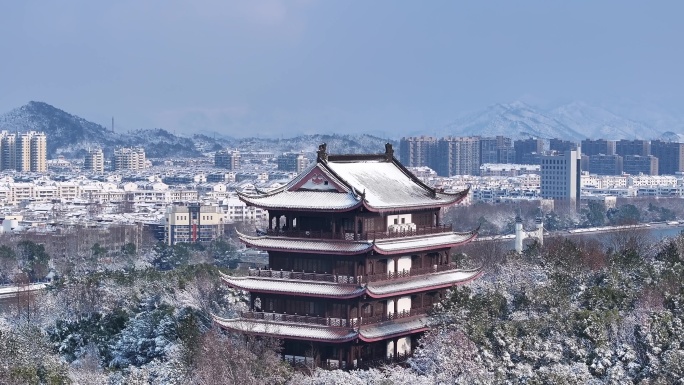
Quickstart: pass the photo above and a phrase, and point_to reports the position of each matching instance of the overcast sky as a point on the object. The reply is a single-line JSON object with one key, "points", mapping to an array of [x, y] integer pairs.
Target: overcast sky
{"points": [[279, 68]]}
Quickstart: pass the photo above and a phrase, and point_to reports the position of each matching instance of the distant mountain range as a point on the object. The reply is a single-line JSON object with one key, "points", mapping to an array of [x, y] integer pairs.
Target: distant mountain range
{"points": [[71, 136], [573, 121]]}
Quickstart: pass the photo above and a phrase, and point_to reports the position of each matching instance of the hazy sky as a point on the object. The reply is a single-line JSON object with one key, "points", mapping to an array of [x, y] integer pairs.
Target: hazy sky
{"points": [[288, 67]]}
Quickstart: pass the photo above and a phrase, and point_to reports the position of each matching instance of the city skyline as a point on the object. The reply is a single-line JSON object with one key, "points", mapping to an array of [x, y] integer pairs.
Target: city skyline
{"points": [[274, 67]]}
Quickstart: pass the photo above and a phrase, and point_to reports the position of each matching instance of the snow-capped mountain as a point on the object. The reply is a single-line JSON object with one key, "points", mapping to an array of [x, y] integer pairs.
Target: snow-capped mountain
{"points": [[599, 123], [515, 120]]}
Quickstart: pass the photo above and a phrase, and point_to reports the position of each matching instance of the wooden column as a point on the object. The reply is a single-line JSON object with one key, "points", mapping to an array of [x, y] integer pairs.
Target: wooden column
{"points": [[356, 228], [396, 342], [270, 221], [278, 222]]}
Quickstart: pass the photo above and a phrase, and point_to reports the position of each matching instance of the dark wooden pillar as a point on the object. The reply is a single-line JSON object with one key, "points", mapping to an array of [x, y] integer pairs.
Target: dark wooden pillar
{"points": [[356, 228], [396, 342], [270, 220], [278, 222]]}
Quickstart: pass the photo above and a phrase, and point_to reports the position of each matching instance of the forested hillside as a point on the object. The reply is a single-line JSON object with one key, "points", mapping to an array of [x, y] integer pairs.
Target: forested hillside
{"points": [[573, 311]]}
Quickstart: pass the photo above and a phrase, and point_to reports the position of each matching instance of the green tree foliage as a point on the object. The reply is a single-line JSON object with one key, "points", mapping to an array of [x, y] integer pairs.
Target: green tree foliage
{"points": [[624, 215], [36, 260]]}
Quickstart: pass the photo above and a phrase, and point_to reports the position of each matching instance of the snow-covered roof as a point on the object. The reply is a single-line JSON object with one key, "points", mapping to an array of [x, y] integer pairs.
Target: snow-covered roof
{"points": [[345, 182], [387, 186], [397, 327], [419, 283], [288, 330], [424, 242], [305, 200], [306, 288]]}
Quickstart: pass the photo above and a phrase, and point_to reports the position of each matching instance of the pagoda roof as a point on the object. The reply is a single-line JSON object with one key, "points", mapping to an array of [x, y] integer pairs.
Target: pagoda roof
{"points": [[311, 332], [297, 287], [306, 245], [307, 332], [395, 328], [421, 243], [338, 183], [420, 283]]}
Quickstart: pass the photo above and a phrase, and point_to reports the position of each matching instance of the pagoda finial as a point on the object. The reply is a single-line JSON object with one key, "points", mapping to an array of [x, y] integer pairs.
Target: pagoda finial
{"points": [[389, 151], [322, 153]]}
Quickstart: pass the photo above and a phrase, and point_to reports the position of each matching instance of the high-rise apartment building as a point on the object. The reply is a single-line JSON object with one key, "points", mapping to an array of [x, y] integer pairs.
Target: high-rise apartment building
{"points": [[227, 159], [497, 149], [670, 156], [417, 151], [94, 161], [602, 164], [560, 176], [8, 151], [599, 146], [128, 158], [636, 164], [561, 145], [26, 151], [527, 146], [625, 147], [458, 156], [38, 154], [292, 161]]}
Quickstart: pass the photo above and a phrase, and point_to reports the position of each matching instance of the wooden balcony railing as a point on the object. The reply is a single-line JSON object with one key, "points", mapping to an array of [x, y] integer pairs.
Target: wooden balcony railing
{"points": [[364, 236], [393, 316], [408, 273], [332, 321], [321, 277], [347, 279], [302, 319]]}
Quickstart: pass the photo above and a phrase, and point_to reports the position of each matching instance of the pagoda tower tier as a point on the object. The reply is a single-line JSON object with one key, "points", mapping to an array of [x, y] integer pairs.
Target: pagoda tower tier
{"points": [[358, 257]]}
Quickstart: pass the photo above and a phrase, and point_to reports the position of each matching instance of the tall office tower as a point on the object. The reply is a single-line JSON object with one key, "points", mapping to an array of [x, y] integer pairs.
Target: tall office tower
{"points": [[527, 146], [458, 156], [633, 147], [560, 176], [227, 159], [561, 145], [94, 161], [670, 156], [497, 149], [128, 158], [292, 161], [605, 164], [38, 155], [635, 164], [417, 151], [599, 146]]}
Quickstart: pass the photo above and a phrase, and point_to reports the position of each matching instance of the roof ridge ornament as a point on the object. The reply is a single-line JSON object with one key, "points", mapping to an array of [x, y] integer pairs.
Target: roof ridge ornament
{"points": [[322, 153], [389, 152]]}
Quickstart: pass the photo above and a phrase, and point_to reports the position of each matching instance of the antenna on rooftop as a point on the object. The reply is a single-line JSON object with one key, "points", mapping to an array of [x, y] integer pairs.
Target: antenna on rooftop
{"points": [[112, 124]]}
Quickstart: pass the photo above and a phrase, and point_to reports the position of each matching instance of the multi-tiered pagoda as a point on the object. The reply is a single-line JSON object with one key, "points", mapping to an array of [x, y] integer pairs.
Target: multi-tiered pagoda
{"points": [[358, 257]]}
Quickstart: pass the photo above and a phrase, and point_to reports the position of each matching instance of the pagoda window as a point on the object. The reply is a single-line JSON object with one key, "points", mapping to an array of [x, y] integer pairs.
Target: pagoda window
{"points": [[367, 310]]}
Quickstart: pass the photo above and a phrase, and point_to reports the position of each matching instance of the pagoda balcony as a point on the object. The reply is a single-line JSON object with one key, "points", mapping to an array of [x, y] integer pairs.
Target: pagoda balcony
{"points": [[395, 316], [389, 276], [299, 275], [364, 236], [302, 319], [346, 279], [332, 321]]}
